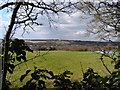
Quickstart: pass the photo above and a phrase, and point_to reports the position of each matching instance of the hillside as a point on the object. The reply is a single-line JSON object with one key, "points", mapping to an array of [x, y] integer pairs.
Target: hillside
{"points": [[71, 45]]}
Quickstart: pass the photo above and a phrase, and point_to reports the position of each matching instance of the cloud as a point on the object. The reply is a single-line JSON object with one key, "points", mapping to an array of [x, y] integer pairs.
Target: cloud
{"points": [[64, 26], [4, 22], [9, 15], [3, 28], [80, 33]]}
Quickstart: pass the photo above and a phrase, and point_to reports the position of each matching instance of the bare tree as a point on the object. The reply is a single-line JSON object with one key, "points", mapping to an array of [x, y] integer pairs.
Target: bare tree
{"points": [[25, 15], [106, 18]]}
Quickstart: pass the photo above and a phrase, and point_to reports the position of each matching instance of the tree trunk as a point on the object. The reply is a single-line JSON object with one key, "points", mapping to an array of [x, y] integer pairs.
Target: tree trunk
{"points": [[6, 45]]}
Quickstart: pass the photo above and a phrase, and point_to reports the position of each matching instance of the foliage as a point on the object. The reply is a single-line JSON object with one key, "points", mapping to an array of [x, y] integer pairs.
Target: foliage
{"points": [[17, 52], [37, 79], [37, 82], [62, 80], [91, 80]]}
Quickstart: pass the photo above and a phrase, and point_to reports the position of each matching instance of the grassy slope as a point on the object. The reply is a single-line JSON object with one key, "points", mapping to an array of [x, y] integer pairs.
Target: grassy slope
{"points": [[59, 61]]}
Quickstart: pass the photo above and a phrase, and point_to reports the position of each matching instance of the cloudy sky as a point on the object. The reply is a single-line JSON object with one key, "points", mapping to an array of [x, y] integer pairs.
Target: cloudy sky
{"points": [[71, 27], [66, 27]]}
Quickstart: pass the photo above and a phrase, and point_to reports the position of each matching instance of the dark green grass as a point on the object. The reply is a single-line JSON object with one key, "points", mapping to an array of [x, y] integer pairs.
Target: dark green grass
{"points": [[59, 61]]}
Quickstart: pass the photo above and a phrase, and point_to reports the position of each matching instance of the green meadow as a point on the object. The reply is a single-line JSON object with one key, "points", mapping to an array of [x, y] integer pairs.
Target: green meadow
{"points": [[59, 61]]}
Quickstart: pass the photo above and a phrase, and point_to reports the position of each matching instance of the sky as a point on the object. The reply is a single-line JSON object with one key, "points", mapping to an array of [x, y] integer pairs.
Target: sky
{"points": [[65, 27]]}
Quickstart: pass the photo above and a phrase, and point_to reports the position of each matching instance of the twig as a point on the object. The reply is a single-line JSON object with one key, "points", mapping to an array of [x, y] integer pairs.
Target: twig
{"points": [[81, 67], [32, 58], [104, 64]]}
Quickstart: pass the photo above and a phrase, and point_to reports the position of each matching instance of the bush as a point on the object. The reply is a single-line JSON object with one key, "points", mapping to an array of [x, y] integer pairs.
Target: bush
{"points": [[91, 80]]}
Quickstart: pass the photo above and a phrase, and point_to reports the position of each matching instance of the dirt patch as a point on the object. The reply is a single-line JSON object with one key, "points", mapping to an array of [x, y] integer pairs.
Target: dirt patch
{"points": [[35, 41]]}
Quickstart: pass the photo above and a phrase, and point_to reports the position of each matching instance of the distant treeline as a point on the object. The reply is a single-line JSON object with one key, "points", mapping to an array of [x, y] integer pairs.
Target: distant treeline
{"points": [[70, 42], [72, 45]]}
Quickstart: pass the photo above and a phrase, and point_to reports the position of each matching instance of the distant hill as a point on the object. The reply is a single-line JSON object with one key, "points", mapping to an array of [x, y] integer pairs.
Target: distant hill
{"points": [[69, 43]]}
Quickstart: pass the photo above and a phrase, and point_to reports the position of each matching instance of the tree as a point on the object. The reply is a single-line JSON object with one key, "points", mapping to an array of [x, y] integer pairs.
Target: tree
{"points": [[106, 18], [106, 21], [24, 16]]}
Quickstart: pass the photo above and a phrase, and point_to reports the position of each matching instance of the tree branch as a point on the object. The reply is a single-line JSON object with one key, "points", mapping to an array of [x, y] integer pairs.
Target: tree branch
{"points": [[7, 5], [104, 64]]}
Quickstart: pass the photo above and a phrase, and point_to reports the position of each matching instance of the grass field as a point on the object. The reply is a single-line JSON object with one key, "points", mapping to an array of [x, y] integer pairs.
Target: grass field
{"points": [[59, 61]]}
